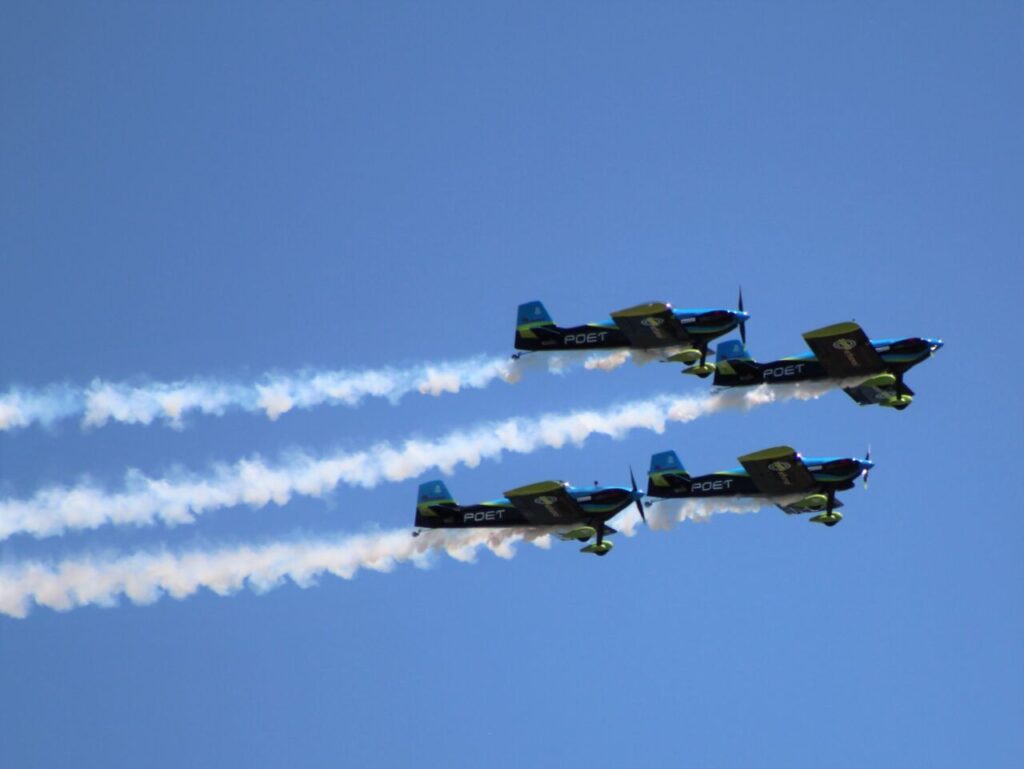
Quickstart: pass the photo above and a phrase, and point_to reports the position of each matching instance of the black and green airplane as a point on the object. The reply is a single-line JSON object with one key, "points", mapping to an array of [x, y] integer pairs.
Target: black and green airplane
{"points": [[679, 335], [840, 351], [577, 513], [800, 485]]}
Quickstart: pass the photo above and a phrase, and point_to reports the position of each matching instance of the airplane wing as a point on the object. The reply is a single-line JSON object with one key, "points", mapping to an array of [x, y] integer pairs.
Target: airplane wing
{"points": [[867, 395], [651, 325], [844, 351], [794, 508], [778, 470], [546, 502]]}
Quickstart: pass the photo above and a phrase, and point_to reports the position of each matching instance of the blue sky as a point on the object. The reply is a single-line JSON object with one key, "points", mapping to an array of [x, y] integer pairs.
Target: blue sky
{"points": [[218, 190]]}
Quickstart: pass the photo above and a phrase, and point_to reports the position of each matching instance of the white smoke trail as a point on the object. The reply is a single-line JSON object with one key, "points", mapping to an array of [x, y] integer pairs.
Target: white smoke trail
{"points": [[274, 394], [665, 514], [144, 577], [179, 499]]}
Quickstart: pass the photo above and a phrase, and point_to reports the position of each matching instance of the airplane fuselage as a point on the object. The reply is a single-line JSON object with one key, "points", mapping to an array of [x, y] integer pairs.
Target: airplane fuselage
{"points": [[700, 325], [838, 473], [599, 503], [898, 355]]}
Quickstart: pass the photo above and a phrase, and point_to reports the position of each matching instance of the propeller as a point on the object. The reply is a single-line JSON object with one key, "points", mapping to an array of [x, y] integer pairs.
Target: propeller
{"points": [[743, 323], [639, 507], [866, 470]]}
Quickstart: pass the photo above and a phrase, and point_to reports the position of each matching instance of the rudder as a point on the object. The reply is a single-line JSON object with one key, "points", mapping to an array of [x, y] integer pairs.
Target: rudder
{"points": [[734, 365], [432, 494], [531, 316], [666, 473]]}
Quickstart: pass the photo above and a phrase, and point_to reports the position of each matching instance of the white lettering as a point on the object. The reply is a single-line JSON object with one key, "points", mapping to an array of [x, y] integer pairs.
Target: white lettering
{"points": [[711, 485], [592, 337], [483, 515], [783, 371]]}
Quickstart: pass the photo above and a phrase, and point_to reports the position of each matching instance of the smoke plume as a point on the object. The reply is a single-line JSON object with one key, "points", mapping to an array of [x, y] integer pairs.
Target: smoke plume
{"points": [[181, 497], [146, 576], [275, 394]]}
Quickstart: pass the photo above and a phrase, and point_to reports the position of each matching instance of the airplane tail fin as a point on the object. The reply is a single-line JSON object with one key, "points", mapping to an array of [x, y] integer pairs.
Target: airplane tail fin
{"points": [[666, 475], [433, 499], [734, 365], [531, 317]]}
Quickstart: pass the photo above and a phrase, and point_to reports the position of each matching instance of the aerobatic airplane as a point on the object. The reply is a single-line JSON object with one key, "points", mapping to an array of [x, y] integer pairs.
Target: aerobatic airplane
{"points": [[584, 511], [680, 335], [841, 351], [802, 485]]}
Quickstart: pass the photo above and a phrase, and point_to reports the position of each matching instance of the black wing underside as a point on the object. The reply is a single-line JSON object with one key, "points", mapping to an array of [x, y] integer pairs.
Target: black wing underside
{"points": [[546, 502], [777, 471], [651, 325], [844, 351], [867, 395]]}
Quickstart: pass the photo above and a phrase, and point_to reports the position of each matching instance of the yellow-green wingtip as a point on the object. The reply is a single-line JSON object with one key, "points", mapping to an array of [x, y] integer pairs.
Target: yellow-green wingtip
{"points": [[642, 310], [836, 329], [544, 487], [776, 452]]}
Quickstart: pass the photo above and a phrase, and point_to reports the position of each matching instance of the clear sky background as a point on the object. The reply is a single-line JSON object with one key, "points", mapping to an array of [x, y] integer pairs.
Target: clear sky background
{"points": [[223, 189]]}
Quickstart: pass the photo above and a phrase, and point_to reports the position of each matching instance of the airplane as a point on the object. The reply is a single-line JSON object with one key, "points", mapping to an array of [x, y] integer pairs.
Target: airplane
{"points": [[840, 351], [682, 335], [780, 472], [548, 503]]}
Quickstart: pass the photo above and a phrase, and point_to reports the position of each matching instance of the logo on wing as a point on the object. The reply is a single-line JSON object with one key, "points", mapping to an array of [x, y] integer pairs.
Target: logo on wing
{"points": [[779, 467], [652, 322], [546, 501], [844, 344]]}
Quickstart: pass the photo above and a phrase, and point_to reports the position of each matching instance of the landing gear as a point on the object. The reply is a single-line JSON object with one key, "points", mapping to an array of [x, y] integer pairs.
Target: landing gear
{"points": [[702, 369], [581, 534], [882, 380], [812, 503], [900, 400], [688, 356], [830, 517], [601, 547]]}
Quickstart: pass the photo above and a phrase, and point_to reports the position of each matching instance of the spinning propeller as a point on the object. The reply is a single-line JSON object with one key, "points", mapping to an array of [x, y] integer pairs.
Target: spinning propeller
{"points": [[743, 323], [866, 470], [636, 499]]}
